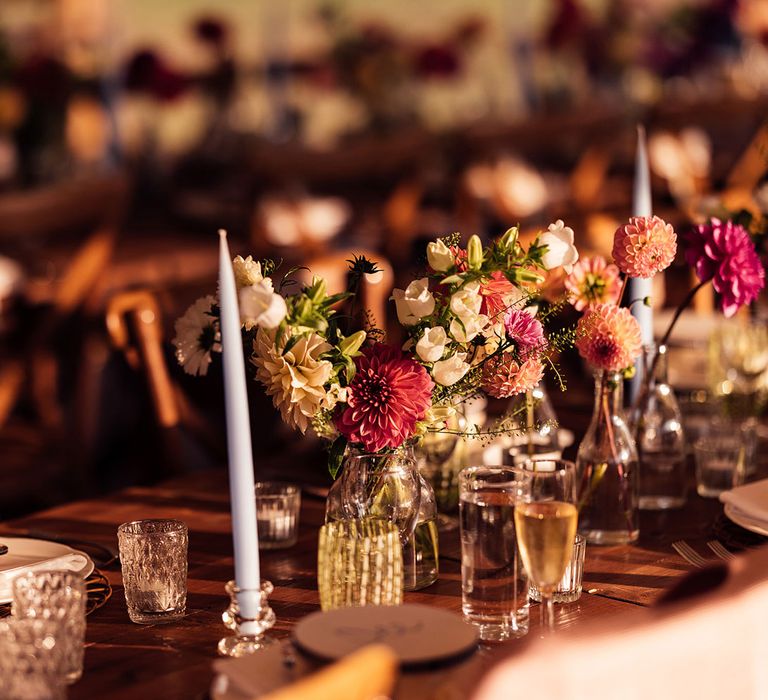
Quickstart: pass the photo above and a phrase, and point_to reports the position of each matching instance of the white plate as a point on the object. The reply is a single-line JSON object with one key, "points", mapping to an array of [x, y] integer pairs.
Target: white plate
{"points": [[25, 553], [758, 526]]}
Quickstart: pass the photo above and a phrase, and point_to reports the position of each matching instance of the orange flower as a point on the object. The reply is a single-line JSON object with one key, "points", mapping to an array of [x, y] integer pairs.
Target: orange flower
{"points": [[608, 337], [644, 246]]}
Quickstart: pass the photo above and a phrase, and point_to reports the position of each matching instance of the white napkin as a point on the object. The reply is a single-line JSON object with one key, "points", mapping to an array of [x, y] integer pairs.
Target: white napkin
{"points": [[13, 565], [750, 499]]}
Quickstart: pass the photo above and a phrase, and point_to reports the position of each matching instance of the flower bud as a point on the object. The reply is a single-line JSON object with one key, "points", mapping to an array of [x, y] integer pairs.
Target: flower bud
{"points": [[509, 240], [474, 253], [352, 343]]}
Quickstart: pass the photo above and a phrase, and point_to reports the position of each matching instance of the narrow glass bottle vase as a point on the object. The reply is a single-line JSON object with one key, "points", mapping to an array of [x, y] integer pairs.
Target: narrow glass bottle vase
{"points": [[657, 425], [607, 466]]}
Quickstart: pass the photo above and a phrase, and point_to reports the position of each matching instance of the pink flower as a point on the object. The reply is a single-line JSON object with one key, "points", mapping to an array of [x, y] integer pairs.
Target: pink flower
{"points": [[505, 376], [497, 292], [389, 393], [644, 246], [593, 281], [525, 331], [724, 253], [608, 337]]}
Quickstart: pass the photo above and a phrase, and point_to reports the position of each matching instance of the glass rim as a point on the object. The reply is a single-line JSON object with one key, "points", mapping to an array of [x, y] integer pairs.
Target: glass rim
{"points": [[567, 465], [474, 470], [73, 578], [290, 488], [179, 527]]}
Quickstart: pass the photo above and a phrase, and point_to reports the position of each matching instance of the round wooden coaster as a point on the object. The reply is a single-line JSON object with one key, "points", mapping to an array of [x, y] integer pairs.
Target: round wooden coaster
{"points": [[418, 634]]}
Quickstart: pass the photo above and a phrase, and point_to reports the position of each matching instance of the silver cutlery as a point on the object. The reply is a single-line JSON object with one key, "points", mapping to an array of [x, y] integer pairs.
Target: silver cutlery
{"points": [[690, 554], [719, 550]]}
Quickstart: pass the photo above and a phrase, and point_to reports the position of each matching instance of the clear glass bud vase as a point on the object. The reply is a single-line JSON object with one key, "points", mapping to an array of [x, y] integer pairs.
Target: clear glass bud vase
{"points": [[657, 425], [606, 466]]}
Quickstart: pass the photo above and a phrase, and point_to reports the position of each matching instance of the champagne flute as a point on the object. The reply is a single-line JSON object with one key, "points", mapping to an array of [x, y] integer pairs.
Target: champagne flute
{"points": [[546, 527]]}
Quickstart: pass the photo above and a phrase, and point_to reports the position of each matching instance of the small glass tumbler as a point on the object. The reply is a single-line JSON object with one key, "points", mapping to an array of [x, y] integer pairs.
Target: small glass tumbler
{"points": [[277, 514], [57, 597], [569, 588], [153, 554], [359, 562], [720, 461], [31, 658]]}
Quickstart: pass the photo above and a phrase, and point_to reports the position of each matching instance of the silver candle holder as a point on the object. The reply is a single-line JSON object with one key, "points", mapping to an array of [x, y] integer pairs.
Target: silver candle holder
{"points": [[249, 631]]}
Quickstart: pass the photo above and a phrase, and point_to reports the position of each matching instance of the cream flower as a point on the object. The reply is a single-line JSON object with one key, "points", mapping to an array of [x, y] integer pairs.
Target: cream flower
{"points": [[197, 334], [561, 252], [467, 301], [335, 394], [414, 303], [247, 272], [261, 305], [295, 380], [439, 256], [450, 371], [467, 327], [431, 345]]}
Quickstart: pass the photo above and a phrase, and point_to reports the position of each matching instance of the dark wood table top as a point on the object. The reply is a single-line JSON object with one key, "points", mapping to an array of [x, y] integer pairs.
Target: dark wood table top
{"points": [[125, 660]]}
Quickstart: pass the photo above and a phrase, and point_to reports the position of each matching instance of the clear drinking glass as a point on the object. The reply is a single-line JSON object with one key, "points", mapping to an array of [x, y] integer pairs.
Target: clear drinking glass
{"points": [[569, 588], [546, 527], [31, 660], [153, 554], [57, 597], [720, 463], [494, 585], [277, 514], [359, 562]]}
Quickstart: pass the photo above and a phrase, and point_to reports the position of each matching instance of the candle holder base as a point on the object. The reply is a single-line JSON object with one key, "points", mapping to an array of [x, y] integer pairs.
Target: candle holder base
{"points": [[249, 632]]}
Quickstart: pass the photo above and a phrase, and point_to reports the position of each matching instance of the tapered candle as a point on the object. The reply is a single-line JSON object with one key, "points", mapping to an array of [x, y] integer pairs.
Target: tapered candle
{"points": [[242, 488], [640, 288]]}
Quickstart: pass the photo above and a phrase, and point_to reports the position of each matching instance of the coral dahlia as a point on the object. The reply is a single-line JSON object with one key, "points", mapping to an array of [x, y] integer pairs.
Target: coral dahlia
{"points": [[644, 246], [505, 376], [388, 395], [724, 253], [608, 337]]}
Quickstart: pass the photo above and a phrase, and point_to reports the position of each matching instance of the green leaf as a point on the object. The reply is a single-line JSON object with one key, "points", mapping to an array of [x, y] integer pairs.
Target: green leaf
{"points": [[336, 455]]}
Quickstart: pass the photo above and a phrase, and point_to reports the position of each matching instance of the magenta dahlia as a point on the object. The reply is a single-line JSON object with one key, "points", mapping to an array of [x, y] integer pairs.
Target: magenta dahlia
{"points": [[723, 252], [525, 331], [388, 395], [608, 337], [644, 246]]}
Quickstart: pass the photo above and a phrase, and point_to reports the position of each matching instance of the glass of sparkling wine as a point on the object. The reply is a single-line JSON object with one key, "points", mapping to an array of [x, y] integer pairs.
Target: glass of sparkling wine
{"points": [[546, 527], [494, 585]]}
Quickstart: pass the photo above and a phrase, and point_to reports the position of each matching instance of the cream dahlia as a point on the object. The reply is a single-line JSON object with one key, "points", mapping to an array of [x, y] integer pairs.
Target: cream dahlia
{"points": [[644, 246], [505, 376], [295, 380], [197, 335], [593, 281], [388, 395], [608, 337]]}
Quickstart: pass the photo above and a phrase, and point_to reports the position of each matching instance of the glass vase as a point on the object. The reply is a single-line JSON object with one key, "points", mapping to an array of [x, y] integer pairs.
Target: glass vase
{"points": [[657, 425], [607, 466], [533, 420], [389, 487]]}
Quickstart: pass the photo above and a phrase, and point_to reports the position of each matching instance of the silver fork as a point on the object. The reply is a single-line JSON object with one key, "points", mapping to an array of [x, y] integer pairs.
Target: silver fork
{"points": [[690, 554], [719, 550]]}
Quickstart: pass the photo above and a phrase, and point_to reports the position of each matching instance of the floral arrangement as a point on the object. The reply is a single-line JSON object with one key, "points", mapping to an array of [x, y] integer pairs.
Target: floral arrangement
{"points": [[470, 323]]}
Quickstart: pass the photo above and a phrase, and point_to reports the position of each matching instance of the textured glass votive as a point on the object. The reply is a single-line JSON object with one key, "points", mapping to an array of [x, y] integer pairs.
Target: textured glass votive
{"points": [[359, 562], [57, 597], [569, 588], [31, 659], [277, 514], [153, 554]]}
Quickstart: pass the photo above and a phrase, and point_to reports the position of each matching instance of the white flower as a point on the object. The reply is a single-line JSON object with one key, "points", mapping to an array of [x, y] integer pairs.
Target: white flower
{"points": [[295, 380], [414, 303], [247, 272], [560, 249], [431, 345], [335, 394], [450, 371], [197, 334], [467, 301], [439, 256], [467, 327], [261, 306]]}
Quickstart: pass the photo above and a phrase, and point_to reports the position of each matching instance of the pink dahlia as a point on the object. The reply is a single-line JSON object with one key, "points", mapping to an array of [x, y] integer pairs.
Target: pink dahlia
{"points": [[505, 376], [497, 292], [644, 246], [593, 281], [389, 393], [724, 253], [525, 331], [608, 337]]}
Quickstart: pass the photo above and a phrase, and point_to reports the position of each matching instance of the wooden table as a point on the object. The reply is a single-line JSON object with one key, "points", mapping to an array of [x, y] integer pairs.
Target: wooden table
{"points": [[125, 660]]}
